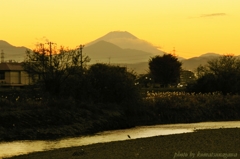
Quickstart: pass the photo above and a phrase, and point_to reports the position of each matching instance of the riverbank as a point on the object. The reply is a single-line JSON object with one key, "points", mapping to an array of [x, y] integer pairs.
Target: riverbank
{"points": [[23, 118], [200, 144]]}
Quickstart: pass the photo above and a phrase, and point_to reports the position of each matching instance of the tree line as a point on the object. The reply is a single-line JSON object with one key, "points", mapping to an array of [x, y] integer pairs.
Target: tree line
{"points": [[71, 97], [218, 75], [66, 74]]}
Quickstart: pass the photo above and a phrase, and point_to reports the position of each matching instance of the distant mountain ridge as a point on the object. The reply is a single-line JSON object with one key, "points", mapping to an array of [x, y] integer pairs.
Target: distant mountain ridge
{"points": [[126, 40], [12, 52], [118, 47], [210, 54], [107, 52], [190, 64]]}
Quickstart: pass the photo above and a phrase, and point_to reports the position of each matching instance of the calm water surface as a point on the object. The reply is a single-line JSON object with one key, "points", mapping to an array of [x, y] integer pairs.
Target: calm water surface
{"points": [[8, 149]]}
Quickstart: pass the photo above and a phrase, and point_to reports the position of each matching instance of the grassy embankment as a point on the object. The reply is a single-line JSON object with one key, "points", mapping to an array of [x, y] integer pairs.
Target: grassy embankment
{"points": [[203, 144], [33, 118]]}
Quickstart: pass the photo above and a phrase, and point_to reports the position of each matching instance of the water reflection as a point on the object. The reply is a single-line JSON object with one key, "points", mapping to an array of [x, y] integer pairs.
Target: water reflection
{"points": [[9, 149]]}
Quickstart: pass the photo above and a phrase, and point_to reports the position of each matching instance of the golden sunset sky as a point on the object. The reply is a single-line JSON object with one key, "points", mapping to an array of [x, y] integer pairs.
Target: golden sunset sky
{"points": [[193, 27]]}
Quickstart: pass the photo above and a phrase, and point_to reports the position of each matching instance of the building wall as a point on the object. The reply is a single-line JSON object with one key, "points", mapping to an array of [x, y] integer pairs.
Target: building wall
{"points": [[15, 77], [7, 77], [20, 77]]}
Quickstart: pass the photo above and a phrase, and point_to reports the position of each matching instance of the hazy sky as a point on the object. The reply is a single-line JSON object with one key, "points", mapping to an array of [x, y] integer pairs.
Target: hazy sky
{"points": [[193, 27]]}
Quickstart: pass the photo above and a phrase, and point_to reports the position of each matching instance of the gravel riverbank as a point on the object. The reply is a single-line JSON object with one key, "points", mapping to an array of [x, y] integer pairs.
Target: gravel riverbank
{"points": [[213, 143]]}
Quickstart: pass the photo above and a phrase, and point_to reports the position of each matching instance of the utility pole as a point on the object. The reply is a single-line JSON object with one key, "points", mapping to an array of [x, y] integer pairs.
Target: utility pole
{"points": [[43, 58], [50, 55], [50, 51], [174, 51], [2, 57], [81, 56]]}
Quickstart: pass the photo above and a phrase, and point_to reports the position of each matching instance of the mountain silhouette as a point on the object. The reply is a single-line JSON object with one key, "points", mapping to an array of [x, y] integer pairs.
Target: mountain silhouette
{"points": [[4, 44], [126, 40], [210, 54], [12, 52], [117, 47], [107, 52], [192, 63], [117, 34]]}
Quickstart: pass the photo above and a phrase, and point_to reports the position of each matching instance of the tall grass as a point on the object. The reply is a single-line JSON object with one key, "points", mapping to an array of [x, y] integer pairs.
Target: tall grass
{"points": [[26, 116], [191, 107]]}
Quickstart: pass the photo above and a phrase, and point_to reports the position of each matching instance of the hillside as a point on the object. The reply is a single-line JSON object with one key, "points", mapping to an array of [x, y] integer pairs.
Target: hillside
{"points": [[106, 52], [126, 40], [192, 63], [187, 64], [12, 52]]}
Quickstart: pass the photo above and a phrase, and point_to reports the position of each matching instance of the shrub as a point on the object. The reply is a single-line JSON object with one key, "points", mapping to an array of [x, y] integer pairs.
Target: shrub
{"points": [[112, 84]]}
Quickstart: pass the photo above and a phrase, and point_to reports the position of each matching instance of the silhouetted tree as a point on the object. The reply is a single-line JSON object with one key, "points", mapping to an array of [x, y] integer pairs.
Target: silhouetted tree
{"points": [[165, 69], [221, 74], [52, 72], [112, 84]]}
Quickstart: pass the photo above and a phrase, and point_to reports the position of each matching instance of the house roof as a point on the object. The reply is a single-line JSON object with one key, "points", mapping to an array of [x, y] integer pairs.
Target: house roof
{"points": [[11, 66]]}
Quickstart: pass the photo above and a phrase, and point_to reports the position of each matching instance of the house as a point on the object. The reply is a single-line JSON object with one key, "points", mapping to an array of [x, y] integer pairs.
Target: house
{"points": [[12, 74]]}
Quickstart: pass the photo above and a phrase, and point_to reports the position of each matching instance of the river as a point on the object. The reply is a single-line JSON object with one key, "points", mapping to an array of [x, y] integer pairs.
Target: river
{"points": [[8, 149]]}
